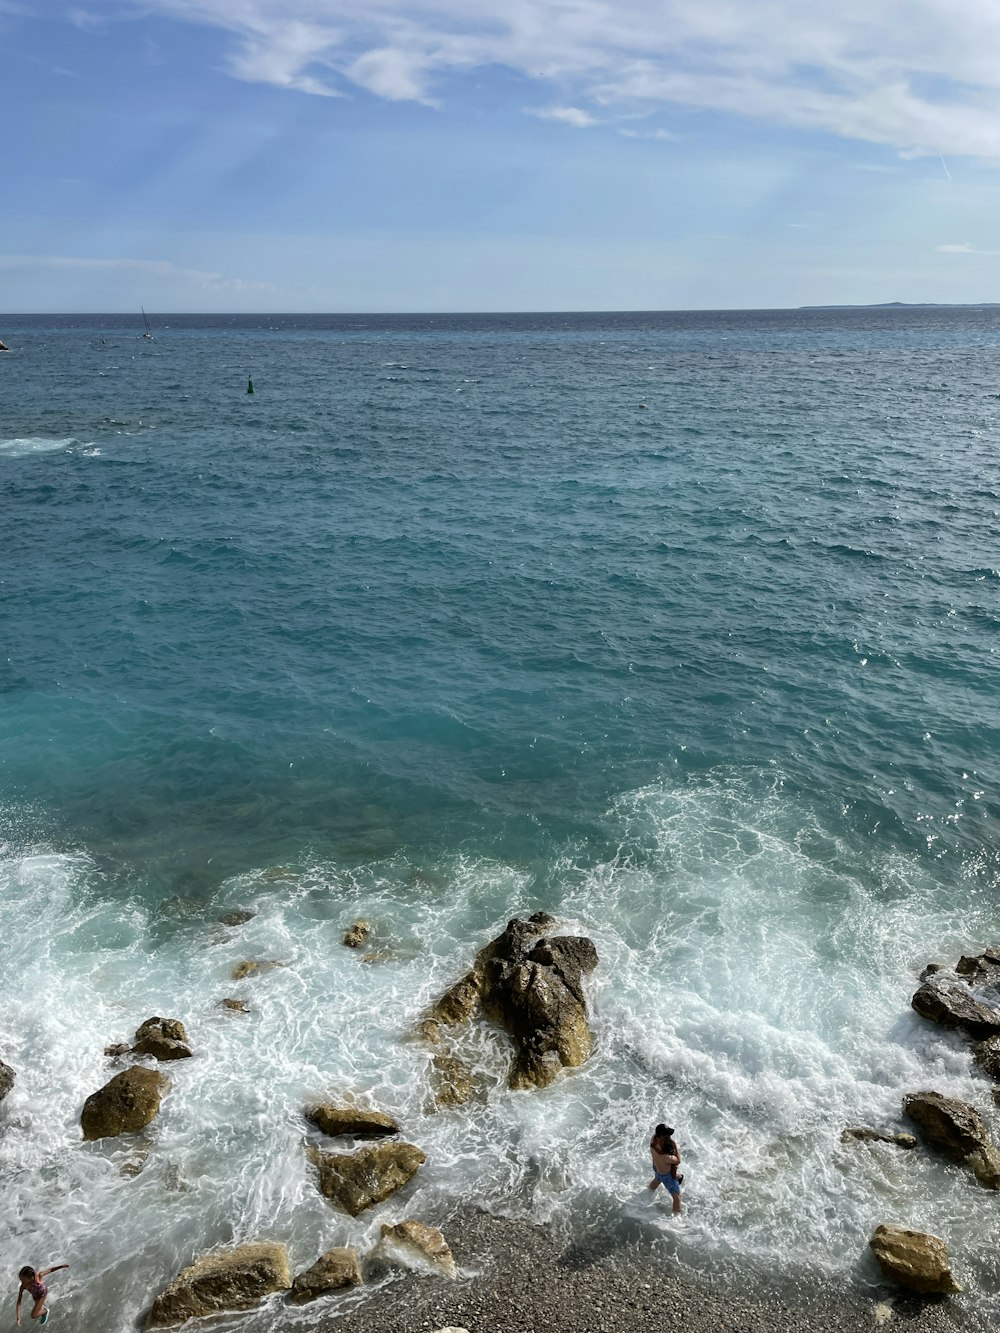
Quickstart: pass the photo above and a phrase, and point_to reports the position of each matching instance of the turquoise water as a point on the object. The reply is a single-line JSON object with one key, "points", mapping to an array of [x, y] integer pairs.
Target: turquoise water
{"points": [[684, 627]]}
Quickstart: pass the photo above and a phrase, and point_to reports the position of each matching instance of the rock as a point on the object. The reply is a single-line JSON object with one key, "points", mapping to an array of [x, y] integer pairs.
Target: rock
{"points": [[3, 346], [949, 1002], [914, 1259], [253, 967], [980, 969], [357, 934], [956, 1130], [429, 1030], [236, 1279], [356, 1120], [877, 1136], [987, 1057], [417, 1246], [333, 1271], [931, 970], [235, 1006], [378, 956], [359, 1179], [163, 1039], [533, 988], [124, 1105], [118, 1048], [7, 1077], [238, 918], [134, 1164], [451, 1080]]}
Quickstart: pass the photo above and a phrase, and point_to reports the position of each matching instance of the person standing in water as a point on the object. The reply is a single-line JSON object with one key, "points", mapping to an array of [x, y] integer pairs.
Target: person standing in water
{"points": [[666, 1159], [32, 1282]]}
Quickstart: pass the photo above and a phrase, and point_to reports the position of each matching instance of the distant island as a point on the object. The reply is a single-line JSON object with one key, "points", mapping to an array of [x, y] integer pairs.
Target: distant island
{"points": [[910, 305]]}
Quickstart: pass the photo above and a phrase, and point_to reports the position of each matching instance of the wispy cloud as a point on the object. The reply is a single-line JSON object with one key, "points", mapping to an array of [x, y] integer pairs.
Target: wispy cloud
{"points": [[964, 249], [664, 135], [159, 268], [921, 76], [569, 115]]}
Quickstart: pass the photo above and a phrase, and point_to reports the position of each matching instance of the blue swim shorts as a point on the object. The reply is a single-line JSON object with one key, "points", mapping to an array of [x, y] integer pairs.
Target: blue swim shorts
{"points": [[665, 1178]]}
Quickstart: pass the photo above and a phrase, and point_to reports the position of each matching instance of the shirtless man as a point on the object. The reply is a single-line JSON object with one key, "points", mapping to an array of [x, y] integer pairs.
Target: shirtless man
{"points": [[666, 1159]]}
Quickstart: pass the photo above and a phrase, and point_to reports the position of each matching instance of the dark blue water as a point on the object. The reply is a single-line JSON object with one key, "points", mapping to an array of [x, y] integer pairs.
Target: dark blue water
{"points": [[667, 616]]}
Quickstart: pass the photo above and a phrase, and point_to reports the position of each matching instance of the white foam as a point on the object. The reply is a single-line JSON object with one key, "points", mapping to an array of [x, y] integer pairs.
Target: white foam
{"points": [[753, 990], [24, 446]]}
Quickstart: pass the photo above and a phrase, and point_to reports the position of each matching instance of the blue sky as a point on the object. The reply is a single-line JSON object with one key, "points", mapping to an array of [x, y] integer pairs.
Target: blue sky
{"points": [[340, 155]]}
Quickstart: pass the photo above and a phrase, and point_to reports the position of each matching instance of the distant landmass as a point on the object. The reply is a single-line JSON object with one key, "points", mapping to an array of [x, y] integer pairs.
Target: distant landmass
{"points": [[910, 305]]}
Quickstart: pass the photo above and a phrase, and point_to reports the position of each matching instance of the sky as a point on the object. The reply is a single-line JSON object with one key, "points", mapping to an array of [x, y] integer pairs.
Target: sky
{"points": [[446, 155]]}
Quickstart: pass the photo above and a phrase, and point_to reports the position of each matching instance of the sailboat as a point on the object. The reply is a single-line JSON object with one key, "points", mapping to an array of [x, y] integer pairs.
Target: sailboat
{"points": [[149, 332]]}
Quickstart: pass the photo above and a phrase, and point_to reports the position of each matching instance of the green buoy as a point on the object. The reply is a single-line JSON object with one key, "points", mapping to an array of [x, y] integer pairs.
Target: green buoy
{"points": [[249, 384]]}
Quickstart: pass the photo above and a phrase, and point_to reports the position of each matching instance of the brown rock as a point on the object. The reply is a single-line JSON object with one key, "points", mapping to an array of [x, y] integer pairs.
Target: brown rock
{"points": [[429, 1030], [7, 1077], [417, 1246], [118, 1048], [956, 1130], [124, 1105], [163, 1039], [236, 1279], [459, 1002], [333, 1271], [253, 967], [359, 1179], [238, 918], [451, 1080], [357, 934], [950, 1003], [865, 1135], [358, 1121], [987, 1056], [980, 969], [914, 1259], [235, 1006]]}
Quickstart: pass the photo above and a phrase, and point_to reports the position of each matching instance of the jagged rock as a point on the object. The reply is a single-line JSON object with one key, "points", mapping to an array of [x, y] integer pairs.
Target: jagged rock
{"points": [[877, 1136], [956, 1130], [982, 968], [415, 1245], [429, 1030], [357, 934], [163, 1039], [533, 988], [914, 1259], [987, 1057], [931, 970], [236, 1279], [126, 1104], [451, 1080], [950, 1003], [235, 1006], [332, 1271], [118, 1048], [238, 918], [359, 1179], [359, 1121], [7, 1077], [252, 967]]}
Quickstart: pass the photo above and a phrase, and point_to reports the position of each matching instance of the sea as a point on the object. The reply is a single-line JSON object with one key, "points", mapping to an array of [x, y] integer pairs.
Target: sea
{"points": [[681, 627]]}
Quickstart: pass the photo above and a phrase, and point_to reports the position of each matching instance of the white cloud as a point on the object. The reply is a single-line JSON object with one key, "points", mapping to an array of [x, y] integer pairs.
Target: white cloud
{"points": [[663, 135], [153, 268], [921, 76], [964, 249], [569, 115]]}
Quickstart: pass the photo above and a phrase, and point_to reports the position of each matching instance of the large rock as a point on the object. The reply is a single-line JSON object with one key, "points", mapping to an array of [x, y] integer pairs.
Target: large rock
{"points": [[356, 1180], [949, 1002], [956, 1130], [982, 969], [865, 1135], [333, 1271], [914, 1259], [452, 1083], [7, 1077], [357, 933], [532, 986], [987, 1057], [355, 1120], [417, 1246], [162, 1038], [235, 1279], [126, 1104]]}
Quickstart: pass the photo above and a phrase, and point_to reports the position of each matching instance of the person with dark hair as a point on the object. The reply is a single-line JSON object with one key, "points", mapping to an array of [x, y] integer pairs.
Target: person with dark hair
{"points": [[32, 1282], [666, 1159]]}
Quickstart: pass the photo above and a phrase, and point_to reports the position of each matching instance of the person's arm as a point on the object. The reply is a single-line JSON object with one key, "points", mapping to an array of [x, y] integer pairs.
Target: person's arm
{"points": [[54, 1269]]}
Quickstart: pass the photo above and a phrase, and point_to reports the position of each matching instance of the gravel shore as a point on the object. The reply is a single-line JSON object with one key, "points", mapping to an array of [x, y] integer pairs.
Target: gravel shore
{"points": [[521, 1280]]}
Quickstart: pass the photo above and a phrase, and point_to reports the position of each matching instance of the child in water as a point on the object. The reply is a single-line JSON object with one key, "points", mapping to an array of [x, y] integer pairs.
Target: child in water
{"points": [[32, 1283], [666, 1159]]}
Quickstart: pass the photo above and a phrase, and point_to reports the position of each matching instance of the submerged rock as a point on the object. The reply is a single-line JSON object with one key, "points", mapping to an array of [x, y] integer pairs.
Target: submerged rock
{"points": [[237, 918], [234, 1006], [7, 1077], [452, 1082], [163, 1039], [866, 1135], [333, 1271], [914, 1259], [415, 1245], [126, 1104], [956, 1130], [358, 1121], [359, 1179], [236, 1279], [118, 1048], [253, 967], [532, 986], [357, 934], [949, 1002]]}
